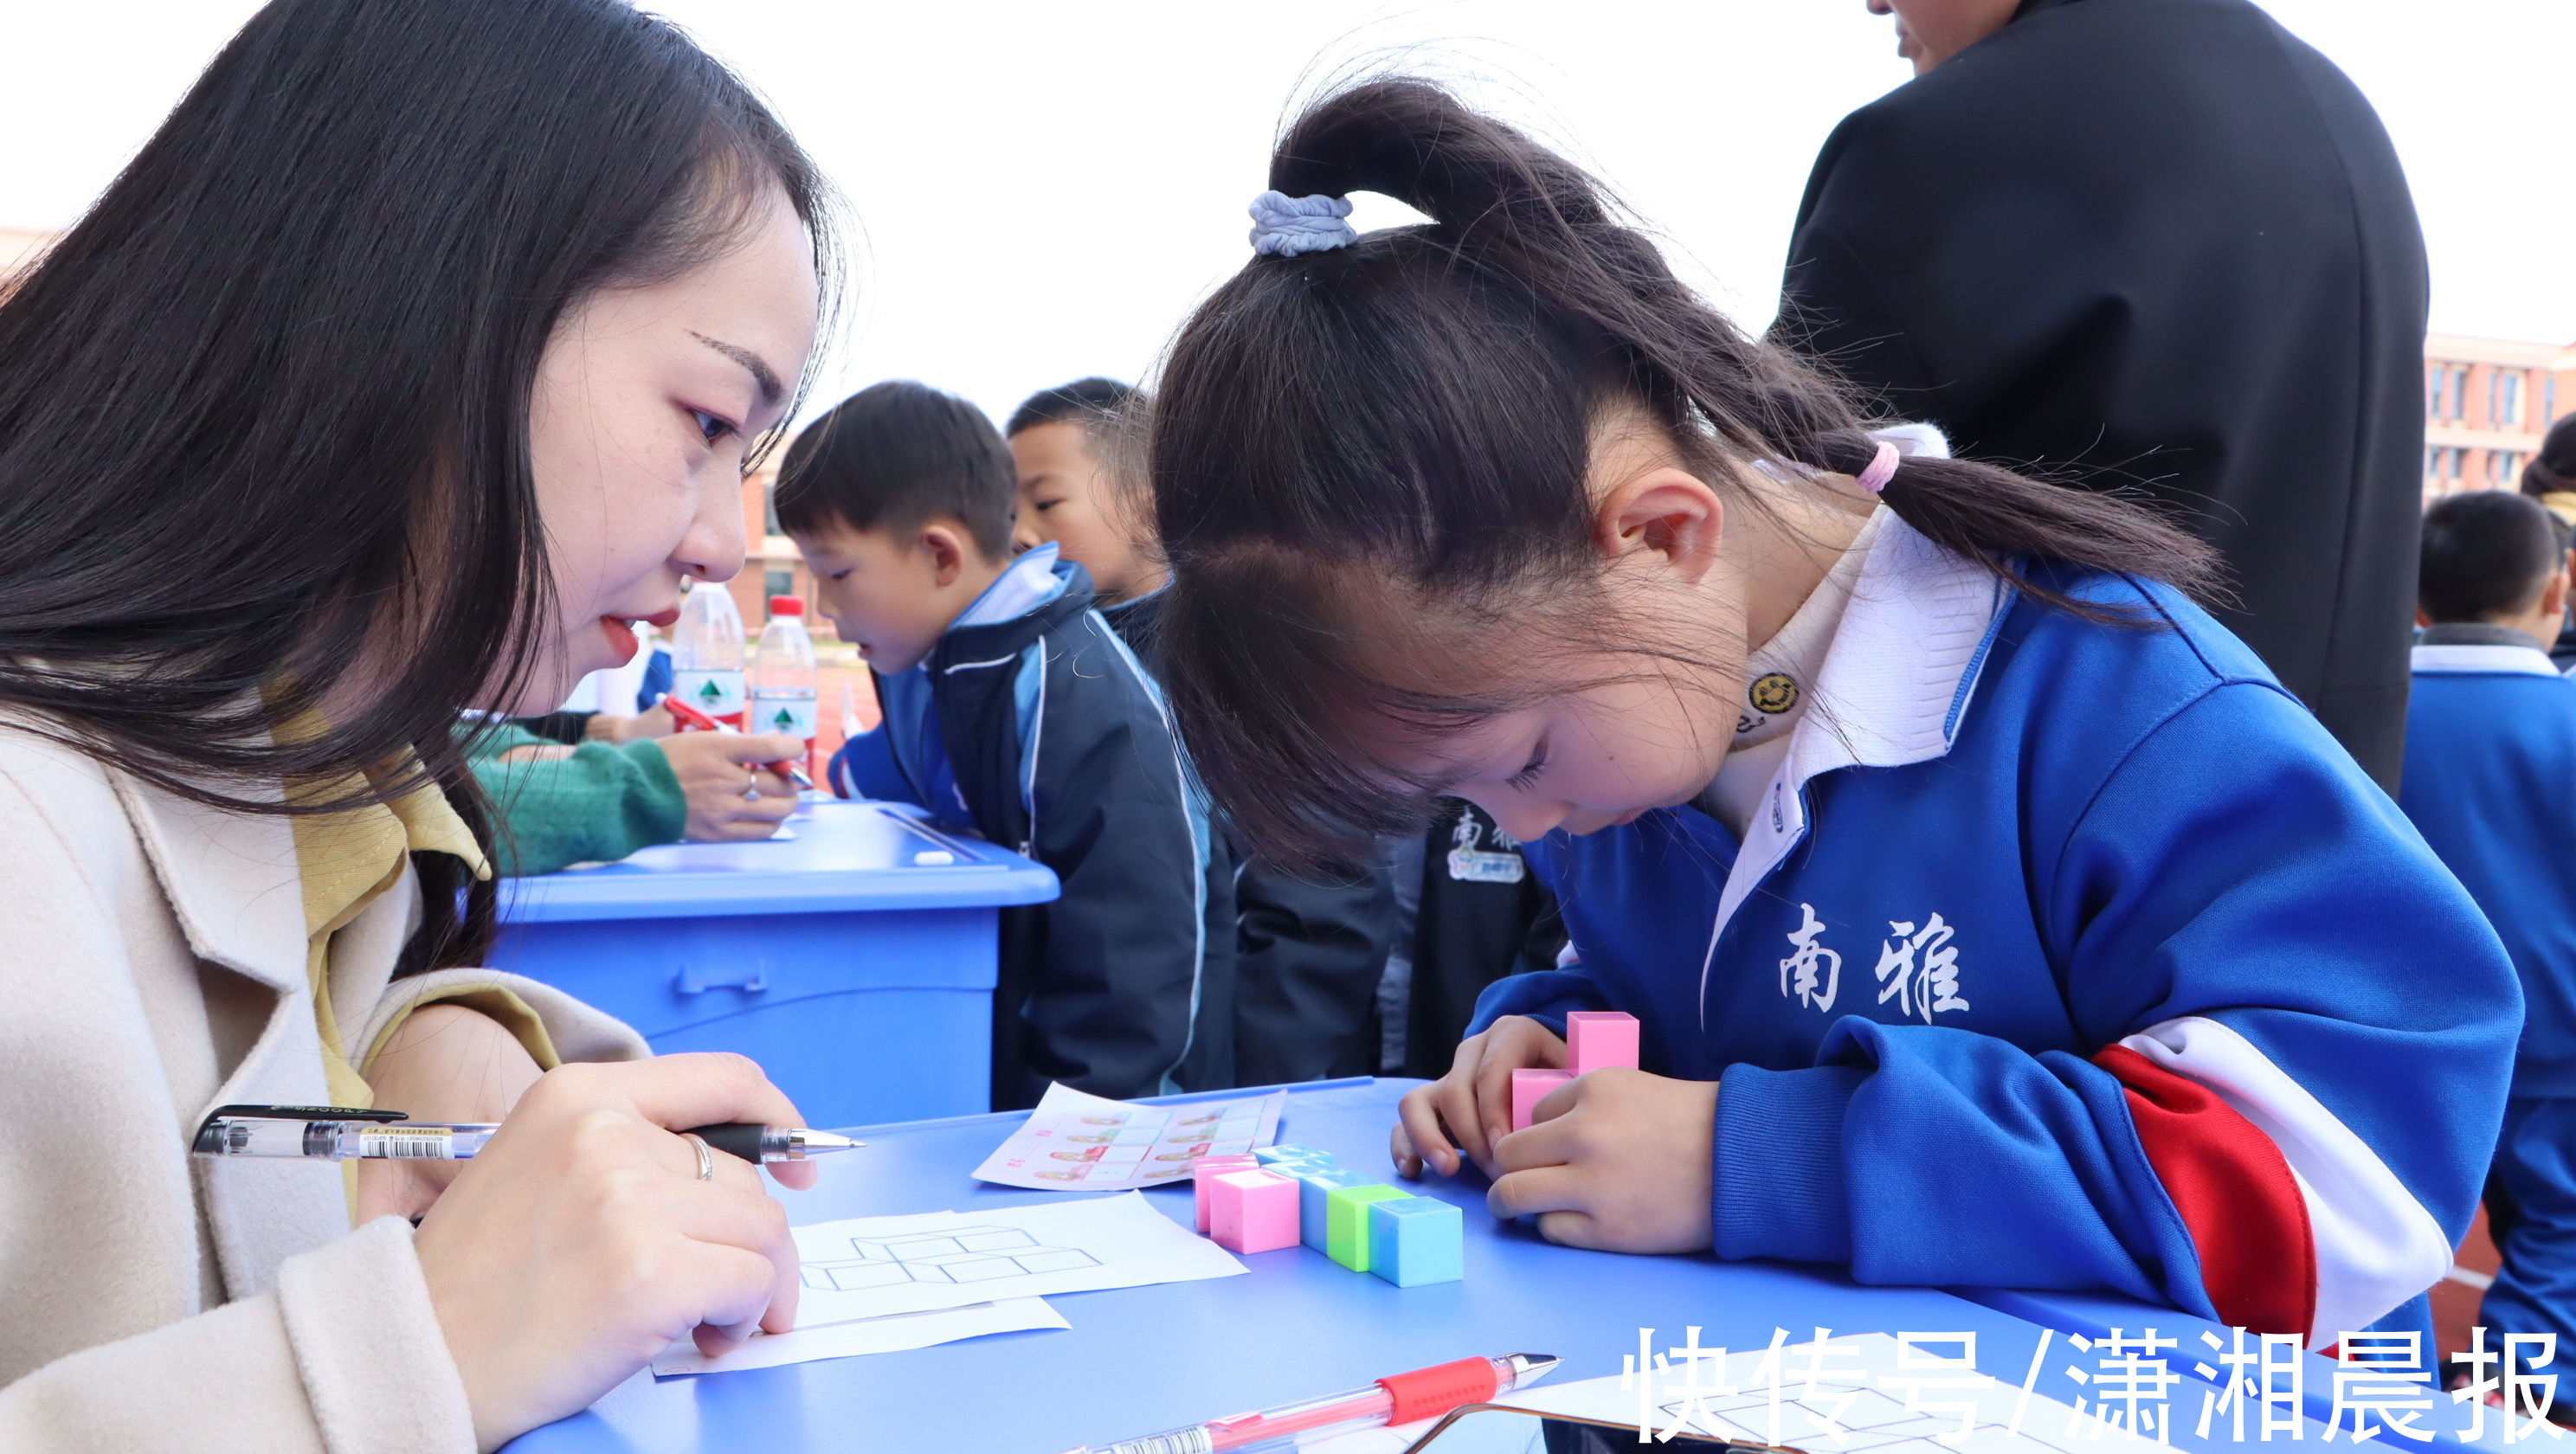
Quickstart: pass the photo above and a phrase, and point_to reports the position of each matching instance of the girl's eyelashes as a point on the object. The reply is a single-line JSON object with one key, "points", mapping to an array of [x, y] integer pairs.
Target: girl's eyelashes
{"points": [[711, 427], [1530, 770]]}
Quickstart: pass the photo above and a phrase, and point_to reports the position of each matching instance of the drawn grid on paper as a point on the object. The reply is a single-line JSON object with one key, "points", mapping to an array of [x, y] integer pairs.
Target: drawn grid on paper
{"points": [[1875, 1423], [968, 1254]]}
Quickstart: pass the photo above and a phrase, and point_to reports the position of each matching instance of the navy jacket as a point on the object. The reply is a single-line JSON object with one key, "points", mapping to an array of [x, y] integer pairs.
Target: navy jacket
{"points": [[2491, 783], [1300, 991], [2060, 955], [1042, 734]]}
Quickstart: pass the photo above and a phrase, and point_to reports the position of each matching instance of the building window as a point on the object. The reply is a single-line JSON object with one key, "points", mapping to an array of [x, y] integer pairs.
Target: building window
{"points": [[2548, 400], [2509, 396], [780, 583], [2504, 468]]}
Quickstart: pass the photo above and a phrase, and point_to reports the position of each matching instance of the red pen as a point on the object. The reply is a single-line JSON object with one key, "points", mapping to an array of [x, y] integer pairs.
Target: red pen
{"points": [[1425, 1393], [691, 719]]}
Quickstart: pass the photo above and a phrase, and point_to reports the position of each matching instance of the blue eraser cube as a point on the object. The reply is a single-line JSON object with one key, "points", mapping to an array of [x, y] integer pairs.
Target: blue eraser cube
{"points": [[1414, 1240], [1270, 1154], [1314, 1183]]}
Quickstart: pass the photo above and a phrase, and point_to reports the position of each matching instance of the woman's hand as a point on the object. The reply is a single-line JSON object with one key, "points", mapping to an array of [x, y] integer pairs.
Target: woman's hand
{"points": [[1619, 1160], [580, 1242], [1470, 1108], [731, 798], [443, 1063]]}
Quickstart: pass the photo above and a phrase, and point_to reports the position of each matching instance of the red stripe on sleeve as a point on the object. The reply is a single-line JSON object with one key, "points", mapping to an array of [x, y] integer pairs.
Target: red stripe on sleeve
{"points": [[2234, 1191]]}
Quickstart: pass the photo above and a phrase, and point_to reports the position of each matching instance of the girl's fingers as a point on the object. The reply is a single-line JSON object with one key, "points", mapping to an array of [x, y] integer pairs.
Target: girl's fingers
{"points": [[729, 1218], [1538, 1190], [1420, 1128], [1572, 1229], [1493, 1103], [1399, 1149]]}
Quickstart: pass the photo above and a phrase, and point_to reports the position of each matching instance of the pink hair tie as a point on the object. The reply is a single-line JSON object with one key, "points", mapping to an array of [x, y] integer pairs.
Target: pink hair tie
{"points": [[1882, 468]]}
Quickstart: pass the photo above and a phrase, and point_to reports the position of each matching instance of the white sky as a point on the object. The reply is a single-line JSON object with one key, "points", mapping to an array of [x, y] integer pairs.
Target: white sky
{"points": [[1040, 190]]}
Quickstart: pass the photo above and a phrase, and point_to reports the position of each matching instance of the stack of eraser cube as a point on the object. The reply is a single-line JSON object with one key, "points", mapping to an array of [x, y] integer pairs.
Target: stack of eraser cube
{"points": [[1594, 1040], [1280, 1196], [1283, 1195]]}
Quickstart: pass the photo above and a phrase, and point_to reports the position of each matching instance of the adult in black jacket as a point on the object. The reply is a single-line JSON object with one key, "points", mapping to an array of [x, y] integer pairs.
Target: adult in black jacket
{"points": [[2159, 244]]}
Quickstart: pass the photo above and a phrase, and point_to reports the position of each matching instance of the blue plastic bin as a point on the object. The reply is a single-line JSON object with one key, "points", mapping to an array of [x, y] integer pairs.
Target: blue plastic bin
{"points": [[853, 963]]}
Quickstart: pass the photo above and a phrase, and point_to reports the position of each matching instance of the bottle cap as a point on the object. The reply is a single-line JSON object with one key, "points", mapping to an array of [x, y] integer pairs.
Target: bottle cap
{"points": [[787, 605]]}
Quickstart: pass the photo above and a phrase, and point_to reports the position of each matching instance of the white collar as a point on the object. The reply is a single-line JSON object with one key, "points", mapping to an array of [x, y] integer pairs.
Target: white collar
{"points": [[2512, 660], [1904, 662], [1029, 583]]}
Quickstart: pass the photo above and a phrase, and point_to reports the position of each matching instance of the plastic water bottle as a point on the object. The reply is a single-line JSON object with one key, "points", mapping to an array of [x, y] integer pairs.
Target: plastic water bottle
{"points": [[782, 676], [706, 653]]}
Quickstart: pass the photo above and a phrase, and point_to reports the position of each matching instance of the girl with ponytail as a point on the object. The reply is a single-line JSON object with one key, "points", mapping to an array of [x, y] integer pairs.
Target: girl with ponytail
{"points": [[1993, 916]]}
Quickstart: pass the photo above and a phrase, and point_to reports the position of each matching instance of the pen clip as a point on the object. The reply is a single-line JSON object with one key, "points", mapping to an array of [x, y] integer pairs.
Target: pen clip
{"points": [[301, 1113]]}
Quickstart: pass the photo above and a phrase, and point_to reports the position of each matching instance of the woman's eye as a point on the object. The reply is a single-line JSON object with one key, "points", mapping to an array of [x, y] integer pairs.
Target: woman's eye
{"points": [[838, 575], [710, 427], [1043, 506]]}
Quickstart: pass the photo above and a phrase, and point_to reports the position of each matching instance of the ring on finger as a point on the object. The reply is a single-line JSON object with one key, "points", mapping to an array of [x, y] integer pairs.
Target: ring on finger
{"points": [[706, 1157]]}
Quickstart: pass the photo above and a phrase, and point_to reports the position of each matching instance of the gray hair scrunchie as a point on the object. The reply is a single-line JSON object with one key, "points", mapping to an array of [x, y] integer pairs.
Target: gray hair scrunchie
{"points": [[1285, 226]]}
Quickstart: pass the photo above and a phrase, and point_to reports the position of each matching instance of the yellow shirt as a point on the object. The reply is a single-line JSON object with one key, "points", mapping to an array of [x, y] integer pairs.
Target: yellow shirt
{"points": [[346, 860]]}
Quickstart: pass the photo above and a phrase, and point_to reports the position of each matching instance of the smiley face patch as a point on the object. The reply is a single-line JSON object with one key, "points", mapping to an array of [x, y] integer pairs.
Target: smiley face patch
{"points": [[1772, 693]]}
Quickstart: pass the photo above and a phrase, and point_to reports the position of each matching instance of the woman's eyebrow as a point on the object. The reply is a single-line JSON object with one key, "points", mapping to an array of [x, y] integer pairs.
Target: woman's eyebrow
{"points": [[771, 391]]}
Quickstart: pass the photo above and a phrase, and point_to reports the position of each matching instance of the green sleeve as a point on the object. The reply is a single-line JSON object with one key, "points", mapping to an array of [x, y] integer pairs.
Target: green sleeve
{"points": [[600, 803]]}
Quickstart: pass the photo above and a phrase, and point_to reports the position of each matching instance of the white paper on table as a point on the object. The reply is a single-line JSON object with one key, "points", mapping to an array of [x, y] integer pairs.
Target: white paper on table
{"points": [[1873, 1393], [890, 1334], [1075, 1141], [867, 1267]]}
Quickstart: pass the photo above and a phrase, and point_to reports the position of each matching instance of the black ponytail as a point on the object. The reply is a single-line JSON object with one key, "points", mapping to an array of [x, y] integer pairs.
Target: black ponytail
{"points": [[1420, 404]]}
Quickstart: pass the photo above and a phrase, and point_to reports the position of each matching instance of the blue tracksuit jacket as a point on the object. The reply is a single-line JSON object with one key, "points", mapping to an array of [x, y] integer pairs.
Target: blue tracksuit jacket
{"points": [[1042, 734], [2060, 955], [2491, 782]]}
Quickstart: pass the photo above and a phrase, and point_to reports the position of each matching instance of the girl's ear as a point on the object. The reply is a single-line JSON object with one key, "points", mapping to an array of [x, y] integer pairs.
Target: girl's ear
{"points": [[1668, 512]]}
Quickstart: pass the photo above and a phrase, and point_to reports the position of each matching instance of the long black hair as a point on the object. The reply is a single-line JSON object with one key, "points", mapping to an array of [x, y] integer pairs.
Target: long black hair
{"points": [[264, 409], [1414, 413]]}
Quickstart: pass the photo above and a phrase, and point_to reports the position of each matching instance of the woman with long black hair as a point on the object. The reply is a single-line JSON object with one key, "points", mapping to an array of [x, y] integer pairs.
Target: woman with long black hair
{"points": [[416, 357]]}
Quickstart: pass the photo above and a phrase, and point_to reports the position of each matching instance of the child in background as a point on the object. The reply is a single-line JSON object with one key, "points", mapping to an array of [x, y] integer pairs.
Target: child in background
{"points": [[1011, 709], [1073, 492], [1993, 916], [1309, 951], [560, 804], [2491, 782]]}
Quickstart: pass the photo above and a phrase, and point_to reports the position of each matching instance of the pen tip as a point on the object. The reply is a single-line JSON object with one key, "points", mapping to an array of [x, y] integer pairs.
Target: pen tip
{"points": [[826, 1141]]}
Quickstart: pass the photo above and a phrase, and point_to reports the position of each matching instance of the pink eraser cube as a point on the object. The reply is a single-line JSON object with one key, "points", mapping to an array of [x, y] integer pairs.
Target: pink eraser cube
{"points": [[1206, 1169], [1529, 1087], [1599, 1039], [1252, 1211]]}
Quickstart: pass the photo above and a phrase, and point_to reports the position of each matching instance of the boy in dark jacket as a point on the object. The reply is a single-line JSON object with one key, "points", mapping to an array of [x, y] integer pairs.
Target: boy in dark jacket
{"points": [[1013, 710], [2491, 783]]}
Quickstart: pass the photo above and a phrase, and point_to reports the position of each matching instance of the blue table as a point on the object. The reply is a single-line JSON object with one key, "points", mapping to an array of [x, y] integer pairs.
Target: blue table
{"points": [[1141, 1359], [854, 960]]}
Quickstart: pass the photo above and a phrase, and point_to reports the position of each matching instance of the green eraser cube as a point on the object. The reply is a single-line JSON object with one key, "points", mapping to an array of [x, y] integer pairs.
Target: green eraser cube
{"points": [[1414, 1240], [1346, 1222]]}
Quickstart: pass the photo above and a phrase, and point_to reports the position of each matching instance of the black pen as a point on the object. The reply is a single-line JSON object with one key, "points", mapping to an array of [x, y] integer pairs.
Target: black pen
{"points": [[340, 1133]]}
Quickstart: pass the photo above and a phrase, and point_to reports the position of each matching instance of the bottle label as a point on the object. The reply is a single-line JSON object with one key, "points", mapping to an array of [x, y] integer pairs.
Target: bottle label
{"points": [[716, 693], [789, 714]]}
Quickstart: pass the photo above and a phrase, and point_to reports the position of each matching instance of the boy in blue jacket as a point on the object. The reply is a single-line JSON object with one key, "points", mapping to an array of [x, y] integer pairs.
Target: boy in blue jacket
{"points": [[1012, 710], [2491, 783]]}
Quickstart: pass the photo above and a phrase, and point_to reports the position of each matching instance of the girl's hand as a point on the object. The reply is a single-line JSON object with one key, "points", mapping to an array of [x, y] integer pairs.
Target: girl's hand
{"points": [[1619, 1160], [442, 1063], [1470, 1108], [580, 1242]]}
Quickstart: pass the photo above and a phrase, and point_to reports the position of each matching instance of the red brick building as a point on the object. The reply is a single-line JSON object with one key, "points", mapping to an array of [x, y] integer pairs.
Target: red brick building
{"points": [[2487, 403]]}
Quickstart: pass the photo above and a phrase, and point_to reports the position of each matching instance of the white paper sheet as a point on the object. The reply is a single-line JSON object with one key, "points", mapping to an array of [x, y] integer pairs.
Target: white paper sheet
{"points": [[867, 1267], [867, 1335], [1872, 1393], [1079, 1142]]}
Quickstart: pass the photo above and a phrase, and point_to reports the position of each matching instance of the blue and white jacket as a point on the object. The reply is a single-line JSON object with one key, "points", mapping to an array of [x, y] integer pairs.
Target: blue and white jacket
{"points": [[2491, 784], [1031, 724], [2063, 956]]}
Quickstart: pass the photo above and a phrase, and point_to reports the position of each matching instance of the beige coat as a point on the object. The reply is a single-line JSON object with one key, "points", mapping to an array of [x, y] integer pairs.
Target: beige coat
{"points": [[153, 966]]}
